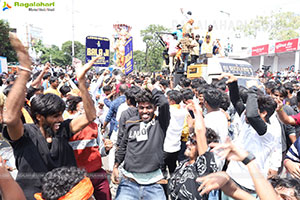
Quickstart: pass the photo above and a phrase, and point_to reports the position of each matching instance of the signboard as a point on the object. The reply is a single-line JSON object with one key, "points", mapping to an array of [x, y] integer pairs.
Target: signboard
{"points": [[128, 56], [272, 48], [97, 46], [3, 64], [237, 69], [288, 45], [260, 50]]}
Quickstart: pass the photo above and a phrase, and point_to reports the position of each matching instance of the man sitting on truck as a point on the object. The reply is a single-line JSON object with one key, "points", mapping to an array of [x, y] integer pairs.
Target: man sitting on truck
{"points": [[207, 46]]}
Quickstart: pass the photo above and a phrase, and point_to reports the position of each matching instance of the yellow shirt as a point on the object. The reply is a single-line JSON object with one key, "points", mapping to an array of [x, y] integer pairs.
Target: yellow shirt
{"points": [[210, 34], [185, 132], [53, 91], [27, 117], [206, 48]]}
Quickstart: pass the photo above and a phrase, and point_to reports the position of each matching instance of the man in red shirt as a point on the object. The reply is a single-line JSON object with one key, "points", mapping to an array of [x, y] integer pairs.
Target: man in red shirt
{"points": [[122, 81]]}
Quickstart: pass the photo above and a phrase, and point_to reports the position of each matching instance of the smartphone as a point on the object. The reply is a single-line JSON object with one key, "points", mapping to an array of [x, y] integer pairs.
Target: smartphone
{"points": [[192, 114]]}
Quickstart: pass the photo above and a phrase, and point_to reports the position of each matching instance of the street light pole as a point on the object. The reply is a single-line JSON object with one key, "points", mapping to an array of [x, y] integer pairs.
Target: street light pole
{"points": [[73, 48], [228, 34], [226, 13]]}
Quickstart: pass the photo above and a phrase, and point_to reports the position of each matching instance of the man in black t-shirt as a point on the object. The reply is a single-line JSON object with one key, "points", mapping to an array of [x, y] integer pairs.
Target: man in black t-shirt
{"points": [[200, 161], [42, 146]]}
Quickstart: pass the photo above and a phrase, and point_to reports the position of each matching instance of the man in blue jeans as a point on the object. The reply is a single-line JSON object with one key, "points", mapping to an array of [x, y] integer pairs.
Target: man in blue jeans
{"points": [[113, 109], [185, 45], [141, 149]]}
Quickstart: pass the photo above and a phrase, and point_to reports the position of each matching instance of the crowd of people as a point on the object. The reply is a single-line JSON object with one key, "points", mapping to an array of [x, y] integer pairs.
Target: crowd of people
{"points": [[185, 46], [286, 75], [192, 140]]}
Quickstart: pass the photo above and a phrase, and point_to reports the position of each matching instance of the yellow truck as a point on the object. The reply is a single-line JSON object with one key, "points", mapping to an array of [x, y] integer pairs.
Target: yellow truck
{"points": [[216, 66]]}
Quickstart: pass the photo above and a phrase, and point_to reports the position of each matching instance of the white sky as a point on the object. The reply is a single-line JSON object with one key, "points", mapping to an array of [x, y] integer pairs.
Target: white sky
{"points": [[96, 17]]}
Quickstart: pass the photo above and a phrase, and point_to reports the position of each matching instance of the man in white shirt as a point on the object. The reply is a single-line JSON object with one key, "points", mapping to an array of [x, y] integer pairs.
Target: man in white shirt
{"points": [[258, 133], [215, 118], [173, 43], [194, 50], [217, 121], [173, 136]]}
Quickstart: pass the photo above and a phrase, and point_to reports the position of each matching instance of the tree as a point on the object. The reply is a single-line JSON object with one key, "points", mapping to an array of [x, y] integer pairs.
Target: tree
{"points": [[279, 26], [139, 60], [54, 55], [39, 46], [61, 56], [154, 50], [6, 49], [79, 50]]}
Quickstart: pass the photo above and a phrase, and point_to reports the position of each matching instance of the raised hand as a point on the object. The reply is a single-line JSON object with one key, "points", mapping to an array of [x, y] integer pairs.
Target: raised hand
{"points": [[279, 104], [212, 181], [147, 85], [231, 78], [106, 72], [22, 53], [81, 70], [47, 67], [67, 77], [9, 188], [195, 107], [229, 150]]}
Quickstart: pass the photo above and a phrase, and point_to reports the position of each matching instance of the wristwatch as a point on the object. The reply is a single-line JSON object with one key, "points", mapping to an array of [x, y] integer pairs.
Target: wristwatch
{"points": [[248, 159]]}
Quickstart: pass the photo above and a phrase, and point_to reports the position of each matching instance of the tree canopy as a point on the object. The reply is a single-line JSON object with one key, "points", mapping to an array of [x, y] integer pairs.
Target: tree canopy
{"points": [[151, 60], [53, 53], [139, 60], [79, 50], [6, 49], [61, 56], [279, 26], [154, 50]]}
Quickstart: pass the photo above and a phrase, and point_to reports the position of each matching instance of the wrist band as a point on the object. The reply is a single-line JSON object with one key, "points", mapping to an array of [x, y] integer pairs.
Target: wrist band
{"points": [[248, 159], [24, 69], [281, 109]]}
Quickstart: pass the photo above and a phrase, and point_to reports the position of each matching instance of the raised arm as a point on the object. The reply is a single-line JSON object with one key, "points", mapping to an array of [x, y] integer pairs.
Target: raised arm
{"points": [[110, 80], [16, 97], [37, 82], [200, 129], [292, 159], [163, 107], [283, 116], [89, 115], [8, 186], [221, 180], [98, 84], [71, 83], [263, 188], [252, 114], [234, 92], [228, 150]]}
